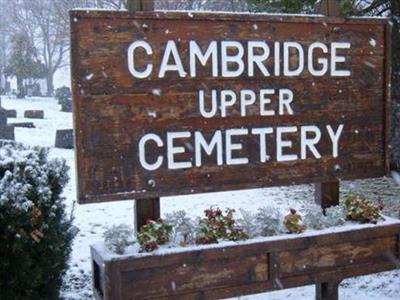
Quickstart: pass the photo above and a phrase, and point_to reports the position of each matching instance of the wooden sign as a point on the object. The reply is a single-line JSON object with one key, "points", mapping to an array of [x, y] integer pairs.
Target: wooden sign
{"points": [[176, 103]]}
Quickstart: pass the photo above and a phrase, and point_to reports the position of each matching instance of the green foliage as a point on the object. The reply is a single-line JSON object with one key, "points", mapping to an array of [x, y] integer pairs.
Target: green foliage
{"points": [[350, 8], [23, 62], [118, 238], [184, 228], [35, 232], [154, 234], [282, 6], [63, 95], [360, 209], [217, 226], [294, 222]]}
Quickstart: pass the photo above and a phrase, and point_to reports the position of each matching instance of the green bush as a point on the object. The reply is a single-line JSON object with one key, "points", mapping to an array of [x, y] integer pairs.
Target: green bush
{"points": [[64, 97], [216, 226], [153, 235], [35, 232], [360, 209]]}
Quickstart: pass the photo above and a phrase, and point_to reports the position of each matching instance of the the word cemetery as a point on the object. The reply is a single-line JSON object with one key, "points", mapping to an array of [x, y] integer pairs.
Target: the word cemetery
{"points": [[174, 103]]}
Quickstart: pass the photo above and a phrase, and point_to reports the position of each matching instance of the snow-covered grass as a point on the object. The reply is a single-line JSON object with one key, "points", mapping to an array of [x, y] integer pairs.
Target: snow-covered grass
{"points": [[93, 219]]}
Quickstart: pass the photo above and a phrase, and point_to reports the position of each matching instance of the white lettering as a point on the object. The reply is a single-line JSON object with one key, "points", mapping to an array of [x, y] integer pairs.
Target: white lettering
{"points": [[335, 138], [172, 150], [257, 59], [195, 52], [280, 144], [230, 59], [142, 151], [321, 61], [337, 59], [262, 132], [200, 143], [310, 142], [234, 146], [131, 59], [286, 59], [177, 66]]}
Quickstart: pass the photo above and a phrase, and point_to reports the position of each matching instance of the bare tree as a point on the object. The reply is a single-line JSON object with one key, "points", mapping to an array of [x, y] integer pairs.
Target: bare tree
{"points": [[40, 20]]}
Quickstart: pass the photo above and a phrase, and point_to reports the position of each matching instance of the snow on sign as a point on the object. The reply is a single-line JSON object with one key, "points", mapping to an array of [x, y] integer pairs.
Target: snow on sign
{"points": [[171, 103]]}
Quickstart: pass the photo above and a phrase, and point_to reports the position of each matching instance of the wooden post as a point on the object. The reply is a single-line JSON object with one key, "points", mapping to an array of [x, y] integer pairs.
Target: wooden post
{"points": [[140, 5], [144, 209], [327, 291], [327, 193]]}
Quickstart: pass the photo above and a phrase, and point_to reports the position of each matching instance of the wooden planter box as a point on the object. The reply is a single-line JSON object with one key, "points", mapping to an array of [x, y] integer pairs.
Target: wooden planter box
{"points": [[267, 264]]}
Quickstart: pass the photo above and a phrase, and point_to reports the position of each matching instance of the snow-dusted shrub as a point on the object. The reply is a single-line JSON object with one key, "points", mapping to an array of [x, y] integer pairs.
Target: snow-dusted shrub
{"points": [[153, 235], [314, 218], [63, 95], [118, 238], [218, 226], [360, 209], [35, 232], [335, 215], [294, 222], [269, 220], [249, 224], [184, 229]]}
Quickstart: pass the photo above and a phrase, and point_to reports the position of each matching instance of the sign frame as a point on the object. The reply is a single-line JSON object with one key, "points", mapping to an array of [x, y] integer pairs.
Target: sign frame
{"points": [[86, 195]]}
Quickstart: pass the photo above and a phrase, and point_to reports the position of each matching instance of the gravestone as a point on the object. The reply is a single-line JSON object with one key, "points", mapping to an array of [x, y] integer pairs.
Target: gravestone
{"points": [[66, 105], [6, 131], [34, 114], [23, 124], [11, 113], [65, 139]]}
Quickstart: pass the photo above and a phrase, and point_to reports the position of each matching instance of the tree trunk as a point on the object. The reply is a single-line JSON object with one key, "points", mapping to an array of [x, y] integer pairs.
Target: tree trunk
{"points": [[396, 85], [50, 85], [21, 89]]}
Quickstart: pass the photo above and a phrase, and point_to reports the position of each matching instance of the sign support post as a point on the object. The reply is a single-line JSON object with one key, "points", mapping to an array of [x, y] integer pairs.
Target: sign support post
{"points": [[327, 193], [144, 209]]}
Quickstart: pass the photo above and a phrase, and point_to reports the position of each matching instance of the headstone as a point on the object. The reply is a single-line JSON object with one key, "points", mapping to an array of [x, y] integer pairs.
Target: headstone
{"points": [[11, 113], [6, 131], [3, 117], [66, 105], [34, 114], [23, 124], [65, 139]]}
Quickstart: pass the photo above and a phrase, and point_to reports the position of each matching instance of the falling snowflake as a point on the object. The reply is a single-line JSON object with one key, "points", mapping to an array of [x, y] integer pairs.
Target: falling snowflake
{"points": [[372, 42], [152, 114], [89, 77], [156, 92]]}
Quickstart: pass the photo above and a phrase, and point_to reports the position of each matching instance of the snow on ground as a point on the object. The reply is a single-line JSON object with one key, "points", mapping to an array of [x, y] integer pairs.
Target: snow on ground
{"points": [[93, 219]]}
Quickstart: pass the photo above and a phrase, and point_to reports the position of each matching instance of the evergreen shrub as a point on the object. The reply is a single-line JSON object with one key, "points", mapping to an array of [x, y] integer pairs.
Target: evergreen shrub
{"points": [[35, 231]]}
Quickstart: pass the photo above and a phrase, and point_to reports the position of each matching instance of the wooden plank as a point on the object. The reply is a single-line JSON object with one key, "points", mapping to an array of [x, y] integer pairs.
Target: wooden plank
{"points": [[144, 209], [203, 276], [172, 15], [318, 259], [213, 273], [114, 110], [327, 290], [140, 5], [327, 193], [388, 96]]}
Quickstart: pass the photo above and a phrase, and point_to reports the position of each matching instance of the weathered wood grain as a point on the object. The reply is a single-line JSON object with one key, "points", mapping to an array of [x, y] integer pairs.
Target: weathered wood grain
{"points": [[113, 110], [217, 273]]}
